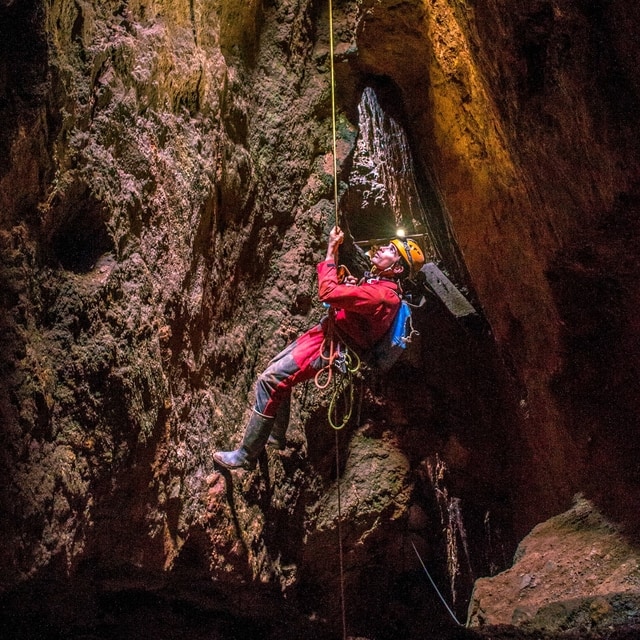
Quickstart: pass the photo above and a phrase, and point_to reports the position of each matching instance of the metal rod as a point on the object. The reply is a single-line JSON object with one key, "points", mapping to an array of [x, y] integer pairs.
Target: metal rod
{"points": [[364, 243]]}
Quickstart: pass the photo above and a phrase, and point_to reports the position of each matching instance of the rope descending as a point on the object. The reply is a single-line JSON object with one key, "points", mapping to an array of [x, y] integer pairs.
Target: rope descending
{"points": [[331, 337], [433, 584]]}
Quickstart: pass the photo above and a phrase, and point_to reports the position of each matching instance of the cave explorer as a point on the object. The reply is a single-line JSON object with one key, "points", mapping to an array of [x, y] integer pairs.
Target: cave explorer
{"points": [[364, 311]]}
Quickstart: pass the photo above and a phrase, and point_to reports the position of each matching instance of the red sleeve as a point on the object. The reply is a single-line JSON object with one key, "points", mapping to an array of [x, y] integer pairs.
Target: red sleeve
{"points": [[365, 311], [364, 300]]}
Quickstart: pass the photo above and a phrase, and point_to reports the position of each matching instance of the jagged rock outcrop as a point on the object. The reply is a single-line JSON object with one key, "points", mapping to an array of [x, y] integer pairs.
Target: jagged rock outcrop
{"points": [[574, 572], [165, 191]]}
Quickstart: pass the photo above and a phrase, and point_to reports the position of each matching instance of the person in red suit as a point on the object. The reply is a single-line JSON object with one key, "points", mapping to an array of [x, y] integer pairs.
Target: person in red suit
{"points": [[363, 311]]}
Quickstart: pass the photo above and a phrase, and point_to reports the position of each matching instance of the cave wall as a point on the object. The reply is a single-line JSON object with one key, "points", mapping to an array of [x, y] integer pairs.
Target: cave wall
{"points": [[528, 132], [134, 256], [165, 180]]}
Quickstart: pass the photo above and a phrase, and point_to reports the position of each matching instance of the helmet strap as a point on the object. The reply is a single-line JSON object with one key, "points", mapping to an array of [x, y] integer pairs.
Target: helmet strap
{"points": [[389, 271]]}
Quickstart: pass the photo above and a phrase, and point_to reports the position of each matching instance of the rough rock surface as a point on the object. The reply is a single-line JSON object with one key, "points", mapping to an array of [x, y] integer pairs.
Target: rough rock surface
{"points": [[166, 175], [575, 571]]}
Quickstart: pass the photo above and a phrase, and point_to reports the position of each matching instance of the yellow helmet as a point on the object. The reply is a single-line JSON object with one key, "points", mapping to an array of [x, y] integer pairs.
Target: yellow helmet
{"points": [[411, 253]]}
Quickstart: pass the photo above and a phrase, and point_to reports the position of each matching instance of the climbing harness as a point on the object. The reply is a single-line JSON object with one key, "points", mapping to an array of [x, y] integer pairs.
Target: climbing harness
{"points": [[341, 360]]}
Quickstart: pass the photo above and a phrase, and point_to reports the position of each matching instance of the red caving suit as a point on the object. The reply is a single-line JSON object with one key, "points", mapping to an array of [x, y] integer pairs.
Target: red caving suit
{"points": [[364, 312]]}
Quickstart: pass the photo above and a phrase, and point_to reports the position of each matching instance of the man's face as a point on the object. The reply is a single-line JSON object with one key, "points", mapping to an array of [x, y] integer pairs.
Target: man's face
{"points": [[386, 257]]}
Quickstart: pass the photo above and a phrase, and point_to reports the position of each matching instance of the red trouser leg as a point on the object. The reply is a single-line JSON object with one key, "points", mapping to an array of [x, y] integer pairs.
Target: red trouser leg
{"points": [[298, 362]]}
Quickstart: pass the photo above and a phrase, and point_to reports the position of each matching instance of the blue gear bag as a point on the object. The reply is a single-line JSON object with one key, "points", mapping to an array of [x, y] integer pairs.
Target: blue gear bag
{"points": [[385, 353]]}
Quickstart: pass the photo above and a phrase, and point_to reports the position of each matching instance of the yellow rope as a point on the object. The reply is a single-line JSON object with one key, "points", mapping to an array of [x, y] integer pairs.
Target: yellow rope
{"points": [[333, 117], [337, 223], [344, 389], [337, 358]]}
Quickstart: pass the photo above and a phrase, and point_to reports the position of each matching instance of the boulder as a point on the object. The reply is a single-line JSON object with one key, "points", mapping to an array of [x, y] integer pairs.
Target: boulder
{"points": [[576, 572]]}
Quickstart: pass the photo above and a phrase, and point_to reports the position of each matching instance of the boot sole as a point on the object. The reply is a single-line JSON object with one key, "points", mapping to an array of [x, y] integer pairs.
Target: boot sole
{"points": [[234, 467]]}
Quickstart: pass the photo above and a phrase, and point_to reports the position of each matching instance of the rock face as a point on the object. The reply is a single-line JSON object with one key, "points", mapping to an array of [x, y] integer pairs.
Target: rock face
{"points": [[575, 571], [166, 185]]}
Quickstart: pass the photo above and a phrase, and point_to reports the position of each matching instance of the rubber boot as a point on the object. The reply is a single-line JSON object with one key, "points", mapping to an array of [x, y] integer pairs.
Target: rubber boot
{"points": [[278, 439], [256, 434]]}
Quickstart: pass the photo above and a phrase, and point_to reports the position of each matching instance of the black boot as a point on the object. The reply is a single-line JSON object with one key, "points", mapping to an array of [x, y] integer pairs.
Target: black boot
{"points": [[278, 439], [256, 434]]}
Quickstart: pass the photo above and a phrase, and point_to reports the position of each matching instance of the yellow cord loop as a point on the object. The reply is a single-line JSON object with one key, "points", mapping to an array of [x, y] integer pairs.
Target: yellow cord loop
{"points": [[345, 362], [342, 397]]}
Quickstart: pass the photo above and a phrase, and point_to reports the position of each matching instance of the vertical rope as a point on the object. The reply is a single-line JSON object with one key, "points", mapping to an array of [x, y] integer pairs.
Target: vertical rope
{"points": [[340, 552], [337, 223], [333, 117]]}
